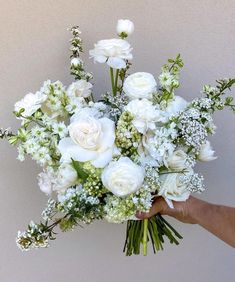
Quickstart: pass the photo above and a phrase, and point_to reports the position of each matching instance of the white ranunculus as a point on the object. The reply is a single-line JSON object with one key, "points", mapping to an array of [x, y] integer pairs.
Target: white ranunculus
{"points": [[139, 85], [125, 27], [30, 103], [172, 188], [176, 106], [145, 114], [177, 160], [76, 62], [91, 139], [123, 177], [45, 183], [206, 152], [114, 52], [66, 177], [80, 88]]}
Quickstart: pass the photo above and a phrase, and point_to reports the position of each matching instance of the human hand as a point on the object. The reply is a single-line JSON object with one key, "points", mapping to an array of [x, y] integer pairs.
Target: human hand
{"points": [[181, 211]]}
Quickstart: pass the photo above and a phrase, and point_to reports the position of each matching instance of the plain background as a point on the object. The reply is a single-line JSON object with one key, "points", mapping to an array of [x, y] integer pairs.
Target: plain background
{"points": [[34, 47]]}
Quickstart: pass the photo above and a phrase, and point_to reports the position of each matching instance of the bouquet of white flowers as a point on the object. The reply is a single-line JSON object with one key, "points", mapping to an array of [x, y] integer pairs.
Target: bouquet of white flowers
{"points": [[110, 159]]}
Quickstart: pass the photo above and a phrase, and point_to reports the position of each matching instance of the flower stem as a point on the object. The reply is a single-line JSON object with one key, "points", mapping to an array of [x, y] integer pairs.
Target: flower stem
{"points": [[145, 237], [116, 81], [112, 81]]}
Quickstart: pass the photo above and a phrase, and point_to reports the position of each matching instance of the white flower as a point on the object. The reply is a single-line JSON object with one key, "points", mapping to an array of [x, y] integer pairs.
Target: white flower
{"points": [[139, 85], [112, 51], [145, 114], [123, 177], [167, 80], [91, 139], [125, 27], [30, 103], [158, 145], [176, 106], [65, 178], [76, 62], [177, 160], [206, 153], [45, 183], [80, 88], [172, 188]]}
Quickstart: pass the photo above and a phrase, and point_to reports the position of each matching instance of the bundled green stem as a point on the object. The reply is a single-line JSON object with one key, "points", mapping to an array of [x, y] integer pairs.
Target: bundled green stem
{"points": [[140, 232]]}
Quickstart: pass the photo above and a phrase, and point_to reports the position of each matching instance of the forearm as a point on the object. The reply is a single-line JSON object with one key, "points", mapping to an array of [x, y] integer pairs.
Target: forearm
{"points": [[219, 220]]}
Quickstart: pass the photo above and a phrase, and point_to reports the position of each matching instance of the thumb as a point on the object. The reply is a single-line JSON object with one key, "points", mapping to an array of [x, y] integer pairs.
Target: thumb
{"points": [[158, 206]]}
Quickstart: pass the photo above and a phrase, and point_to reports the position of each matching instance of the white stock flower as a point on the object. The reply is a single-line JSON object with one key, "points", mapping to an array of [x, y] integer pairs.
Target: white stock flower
{"points": [[91, 139], [172, 188], [123, 177], [145, 114], [125, 27], [65, 178], [45, 183], [80, 88], [206, 152], [158, 145], [30, 103], [112, 51], [76, 62], [176, 106], [177, 160], [139, 85]]}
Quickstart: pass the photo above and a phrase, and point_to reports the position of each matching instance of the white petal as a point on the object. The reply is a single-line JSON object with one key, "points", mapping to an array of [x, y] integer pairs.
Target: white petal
{"points": [[116, 63], [108, 129], [103, 159], [70, 150]]}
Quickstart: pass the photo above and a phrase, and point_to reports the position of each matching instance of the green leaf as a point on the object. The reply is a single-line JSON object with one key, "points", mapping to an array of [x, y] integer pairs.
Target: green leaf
{"points": [[82, 174]]}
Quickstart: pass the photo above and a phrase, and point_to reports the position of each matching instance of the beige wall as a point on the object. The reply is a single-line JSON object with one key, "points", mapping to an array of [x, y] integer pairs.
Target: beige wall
{"points": [[33, 48]]}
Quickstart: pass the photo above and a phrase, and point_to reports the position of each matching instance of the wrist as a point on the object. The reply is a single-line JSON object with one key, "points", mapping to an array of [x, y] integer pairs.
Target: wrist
{"points": [[197, 209]]}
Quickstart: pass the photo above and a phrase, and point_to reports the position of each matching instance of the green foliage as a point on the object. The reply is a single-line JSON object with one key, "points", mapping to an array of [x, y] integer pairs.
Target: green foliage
{"points": [[82, 174]]}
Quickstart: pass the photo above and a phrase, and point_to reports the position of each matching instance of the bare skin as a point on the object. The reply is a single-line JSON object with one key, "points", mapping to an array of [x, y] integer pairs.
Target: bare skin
{"points": [[217, 219]]}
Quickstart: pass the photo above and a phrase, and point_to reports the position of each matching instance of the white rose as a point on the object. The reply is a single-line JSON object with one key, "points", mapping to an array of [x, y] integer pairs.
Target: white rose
{"points": [[66, 178], [176, 106], [145, 114], [125, 27], [80, 88], [45, 183], [91, 139], [76, 62], [177, 161], [206, 152], [123, 177], [30, 103], [172, 188], [112, 51], [139, 85]]}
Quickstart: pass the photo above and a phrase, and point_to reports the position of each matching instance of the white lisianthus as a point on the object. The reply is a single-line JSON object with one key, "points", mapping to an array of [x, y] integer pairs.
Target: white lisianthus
{"points": [[114, 52], [123, 177], [76, 62], [176, 106], [30, 103], [91, 139], [172, 188], [139, 85], [177, 160], [80, 88], [65, 178], [206, 152], [125, 27], [45, 183], [143, 119]]}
